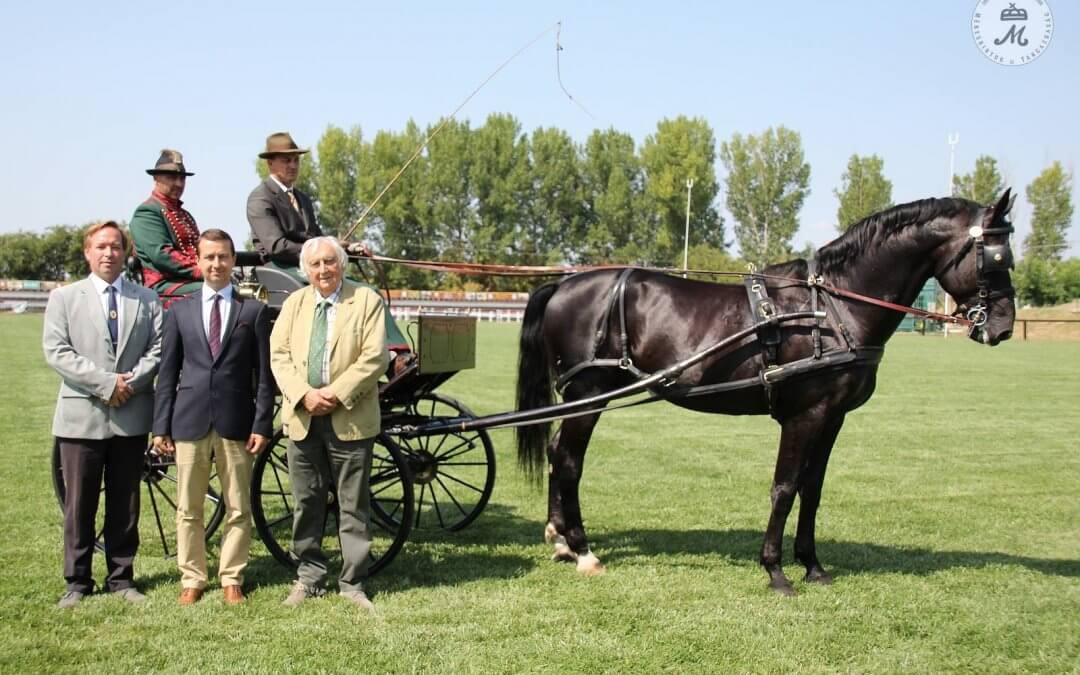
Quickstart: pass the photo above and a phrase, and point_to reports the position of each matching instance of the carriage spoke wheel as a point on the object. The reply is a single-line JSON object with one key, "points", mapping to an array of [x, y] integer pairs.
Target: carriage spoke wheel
{"points": [[390, 490], [158, 504], [453, 473]]}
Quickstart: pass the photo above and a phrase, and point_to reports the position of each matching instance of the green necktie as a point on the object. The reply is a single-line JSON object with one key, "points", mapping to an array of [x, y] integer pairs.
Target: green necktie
{"points": [[317, 346]]}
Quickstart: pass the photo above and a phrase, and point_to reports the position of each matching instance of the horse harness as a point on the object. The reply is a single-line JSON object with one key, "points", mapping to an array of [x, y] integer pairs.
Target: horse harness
{"points": [[989, 258], [767, 331]]}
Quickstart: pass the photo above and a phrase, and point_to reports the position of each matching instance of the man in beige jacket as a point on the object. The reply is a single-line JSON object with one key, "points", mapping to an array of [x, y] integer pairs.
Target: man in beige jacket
{"points": [[327, 351]]}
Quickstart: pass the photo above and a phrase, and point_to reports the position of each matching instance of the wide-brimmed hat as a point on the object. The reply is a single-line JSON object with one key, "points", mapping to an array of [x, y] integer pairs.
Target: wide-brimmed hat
{"points": [[281, 143], [171, 161]]}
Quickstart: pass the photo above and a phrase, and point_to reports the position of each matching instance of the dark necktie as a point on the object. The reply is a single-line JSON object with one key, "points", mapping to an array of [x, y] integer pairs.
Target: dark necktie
{"points": [[317, 346], [215, 327], [114, 317]]}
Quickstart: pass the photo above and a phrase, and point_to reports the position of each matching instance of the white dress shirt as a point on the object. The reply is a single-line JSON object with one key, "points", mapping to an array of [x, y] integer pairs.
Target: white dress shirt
{"points": [[331, 313], [224, 308], [102, 288]]}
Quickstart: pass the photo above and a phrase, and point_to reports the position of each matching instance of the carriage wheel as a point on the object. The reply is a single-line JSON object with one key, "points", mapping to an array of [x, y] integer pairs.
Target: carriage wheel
{"points": [[159, 479], [453, 474], [272, 503]]}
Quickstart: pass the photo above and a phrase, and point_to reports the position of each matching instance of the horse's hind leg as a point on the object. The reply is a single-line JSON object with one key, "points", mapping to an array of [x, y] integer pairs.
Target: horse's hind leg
{"points": [[565, 529], [813, 476], [556, 523]]}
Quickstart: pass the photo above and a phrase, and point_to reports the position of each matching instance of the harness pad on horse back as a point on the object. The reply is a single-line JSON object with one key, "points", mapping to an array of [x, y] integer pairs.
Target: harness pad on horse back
{"points": [[763, 313]]}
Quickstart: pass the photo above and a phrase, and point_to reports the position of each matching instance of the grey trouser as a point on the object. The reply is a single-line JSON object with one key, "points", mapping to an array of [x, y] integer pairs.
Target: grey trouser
{"points": [[318, 464]]}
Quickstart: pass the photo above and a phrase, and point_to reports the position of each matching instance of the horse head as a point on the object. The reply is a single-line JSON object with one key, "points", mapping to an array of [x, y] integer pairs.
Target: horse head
{"points": [[976, 273]]}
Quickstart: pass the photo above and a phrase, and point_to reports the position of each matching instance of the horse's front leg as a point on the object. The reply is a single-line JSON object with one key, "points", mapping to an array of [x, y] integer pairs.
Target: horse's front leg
{"points": [[810, 497], [797, 437], [565, 528]]}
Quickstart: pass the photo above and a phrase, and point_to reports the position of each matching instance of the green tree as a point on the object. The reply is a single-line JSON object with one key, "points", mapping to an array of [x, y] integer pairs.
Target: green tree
{"points": [[1051, 199], [22, 256], [554, 228], [1069, 273], [713, 259], [335, 174], [984, 185], [1038, 283], [399, 225], [613, 192], [767, 183], [444, 202], [682, 149], [62, 253], [501, 184], [864, 190]]}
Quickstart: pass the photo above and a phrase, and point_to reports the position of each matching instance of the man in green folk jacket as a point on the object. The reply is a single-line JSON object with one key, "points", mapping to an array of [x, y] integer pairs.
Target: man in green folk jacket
{"points": [[165, 233]]}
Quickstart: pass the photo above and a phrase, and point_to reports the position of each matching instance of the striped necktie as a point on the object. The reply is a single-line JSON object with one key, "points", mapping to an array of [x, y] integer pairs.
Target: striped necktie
{"points": [[214, 334], [292, 200], [317, 346]]}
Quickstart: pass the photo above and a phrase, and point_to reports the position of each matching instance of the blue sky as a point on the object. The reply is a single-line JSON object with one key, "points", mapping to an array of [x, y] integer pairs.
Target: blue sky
{"points": [[92, 91]]}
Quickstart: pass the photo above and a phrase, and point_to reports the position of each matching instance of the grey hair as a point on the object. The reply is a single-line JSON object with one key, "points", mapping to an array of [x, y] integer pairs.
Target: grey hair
{"points": [[311, 245]]}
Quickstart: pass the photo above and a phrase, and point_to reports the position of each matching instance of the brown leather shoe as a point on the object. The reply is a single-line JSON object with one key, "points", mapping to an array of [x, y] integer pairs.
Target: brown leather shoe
{"points": [[234, 595], [189, 596]]}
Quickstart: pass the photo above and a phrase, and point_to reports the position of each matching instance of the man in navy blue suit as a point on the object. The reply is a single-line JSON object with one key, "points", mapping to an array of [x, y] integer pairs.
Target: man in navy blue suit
{"points": [[214, 402]]}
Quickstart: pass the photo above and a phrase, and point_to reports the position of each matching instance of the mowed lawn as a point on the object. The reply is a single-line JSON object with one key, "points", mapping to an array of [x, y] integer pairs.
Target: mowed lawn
{"points": [[950, 519]]}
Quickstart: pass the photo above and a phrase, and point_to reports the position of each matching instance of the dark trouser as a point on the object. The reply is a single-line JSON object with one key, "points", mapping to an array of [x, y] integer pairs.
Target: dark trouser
{"points": [[317, 464], [85, 462]]}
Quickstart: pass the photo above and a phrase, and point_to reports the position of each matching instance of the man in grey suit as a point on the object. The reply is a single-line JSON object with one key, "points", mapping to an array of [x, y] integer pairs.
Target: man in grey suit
{"points": [[103, 336], [282, 218]]}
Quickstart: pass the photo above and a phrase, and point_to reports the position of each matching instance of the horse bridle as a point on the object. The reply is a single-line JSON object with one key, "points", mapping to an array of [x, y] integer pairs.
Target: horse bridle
{"points": [[989, 258]]}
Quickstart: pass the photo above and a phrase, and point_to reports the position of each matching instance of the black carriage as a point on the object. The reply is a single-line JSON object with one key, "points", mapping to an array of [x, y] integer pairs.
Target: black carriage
{"points": [[438, 481]]}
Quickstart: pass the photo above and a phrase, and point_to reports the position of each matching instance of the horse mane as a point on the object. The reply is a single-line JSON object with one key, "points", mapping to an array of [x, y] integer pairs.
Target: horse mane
{"points": [[874, 230]]}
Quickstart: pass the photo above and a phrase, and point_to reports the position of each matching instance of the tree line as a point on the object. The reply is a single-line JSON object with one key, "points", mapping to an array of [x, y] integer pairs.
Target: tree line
{"points": [[495, 193]]}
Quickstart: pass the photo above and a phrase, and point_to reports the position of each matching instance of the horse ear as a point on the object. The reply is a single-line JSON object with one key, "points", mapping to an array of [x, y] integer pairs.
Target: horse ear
{"points": [[1004, 204]]}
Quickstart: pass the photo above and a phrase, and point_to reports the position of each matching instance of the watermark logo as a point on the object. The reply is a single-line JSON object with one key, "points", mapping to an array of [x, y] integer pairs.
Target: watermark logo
{"points": [[1012, 33]]}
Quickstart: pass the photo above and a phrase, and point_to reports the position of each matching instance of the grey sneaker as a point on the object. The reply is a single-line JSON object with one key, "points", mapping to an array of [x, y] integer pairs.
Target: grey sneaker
{"points": [[70, 599], [301, 592], [131, 594], [360, 599]]}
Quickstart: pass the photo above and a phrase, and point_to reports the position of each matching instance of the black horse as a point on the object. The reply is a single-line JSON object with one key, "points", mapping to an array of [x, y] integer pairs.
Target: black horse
{"points": [[598, 337]]}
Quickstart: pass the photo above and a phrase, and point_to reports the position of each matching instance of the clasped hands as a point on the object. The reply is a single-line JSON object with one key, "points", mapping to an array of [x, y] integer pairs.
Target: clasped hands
{"points": [[320, 402], [123, 390]]}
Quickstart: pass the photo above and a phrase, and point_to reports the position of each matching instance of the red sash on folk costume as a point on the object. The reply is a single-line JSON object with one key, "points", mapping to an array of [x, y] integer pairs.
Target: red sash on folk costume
{"points": [[185, 233]]}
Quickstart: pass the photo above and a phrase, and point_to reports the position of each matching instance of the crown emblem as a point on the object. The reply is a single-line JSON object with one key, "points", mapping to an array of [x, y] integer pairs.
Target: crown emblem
{"points": [[1012, 13]]}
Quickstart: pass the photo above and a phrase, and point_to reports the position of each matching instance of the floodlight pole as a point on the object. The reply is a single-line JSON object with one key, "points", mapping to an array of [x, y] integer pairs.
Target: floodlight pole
{"points": [[686, 236]]}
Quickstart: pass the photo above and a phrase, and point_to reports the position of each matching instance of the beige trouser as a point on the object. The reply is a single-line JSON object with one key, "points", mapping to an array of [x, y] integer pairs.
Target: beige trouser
{"points": [[193, 460]]}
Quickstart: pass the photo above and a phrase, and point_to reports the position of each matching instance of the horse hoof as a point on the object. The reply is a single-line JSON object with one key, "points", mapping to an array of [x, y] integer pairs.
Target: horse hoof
{"points": [[783, 588], [590, 565], [819, 576], [550, 534]]}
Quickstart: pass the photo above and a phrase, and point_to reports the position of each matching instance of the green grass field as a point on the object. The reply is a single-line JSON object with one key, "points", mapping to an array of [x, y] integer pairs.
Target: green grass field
{"points": [[950, 519]]}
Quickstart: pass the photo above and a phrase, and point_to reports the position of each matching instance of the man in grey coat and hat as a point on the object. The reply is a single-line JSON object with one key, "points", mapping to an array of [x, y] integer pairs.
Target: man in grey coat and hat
{"points": [[282, 218]]}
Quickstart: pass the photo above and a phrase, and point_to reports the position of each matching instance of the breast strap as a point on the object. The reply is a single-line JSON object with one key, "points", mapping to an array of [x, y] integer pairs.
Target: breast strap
{"points": [[767, 328]]}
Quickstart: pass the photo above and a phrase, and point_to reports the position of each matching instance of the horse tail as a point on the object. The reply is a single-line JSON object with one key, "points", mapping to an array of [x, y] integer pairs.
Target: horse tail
{"points": [[534, 385]]}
